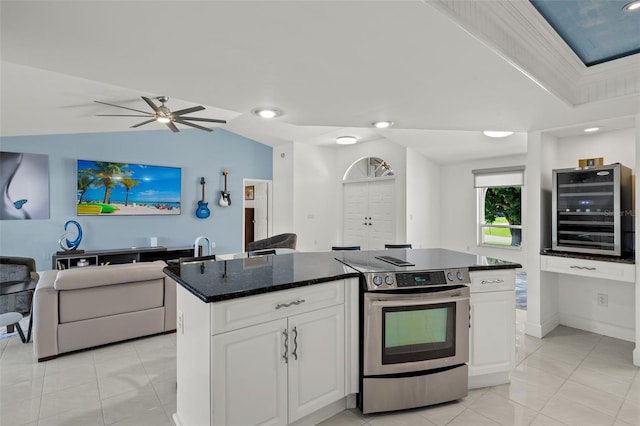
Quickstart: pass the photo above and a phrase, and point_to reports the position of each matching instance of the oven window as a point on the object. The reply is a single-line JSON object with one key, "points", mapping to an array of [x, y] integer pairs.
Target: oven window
{"points": [[418, 333]]}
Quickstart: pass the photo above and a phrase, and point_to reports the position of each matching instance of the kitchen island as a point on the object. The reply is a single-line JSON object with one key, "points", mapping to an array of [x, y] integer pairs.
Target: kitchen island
{"points": [[274, 339]]}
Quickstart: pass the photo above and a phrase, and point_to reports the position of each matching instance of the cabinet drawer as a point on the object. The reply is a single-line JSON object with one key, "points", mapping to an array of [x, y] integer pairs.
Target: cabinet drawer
{"points": [[247, 311], [589, 268], [504, 279]]}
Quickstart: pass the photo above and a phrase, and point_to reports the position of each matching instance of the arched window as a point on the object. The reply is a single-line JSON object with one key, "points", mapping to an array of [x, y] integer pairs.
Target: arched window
{"points": [[368, 167]]}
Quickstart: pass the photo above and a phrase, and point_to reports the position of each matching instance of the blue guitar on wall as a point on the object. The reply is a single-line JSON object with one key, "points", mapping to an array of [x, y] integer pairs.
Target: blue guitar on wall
{"points": [[202, 211]]}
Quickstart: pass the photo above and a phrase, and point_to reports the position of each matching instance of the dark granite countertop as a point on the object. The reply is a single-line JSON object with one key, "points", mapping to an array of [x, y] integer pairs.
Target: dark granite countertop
{"points": [[215, 281], [626, 258]]}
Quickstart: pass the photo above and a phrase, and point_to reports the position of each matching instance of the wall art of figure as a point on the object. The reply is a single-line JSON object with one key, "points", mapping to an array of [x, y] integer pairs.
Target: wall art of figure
{"points": [[24, 182]]}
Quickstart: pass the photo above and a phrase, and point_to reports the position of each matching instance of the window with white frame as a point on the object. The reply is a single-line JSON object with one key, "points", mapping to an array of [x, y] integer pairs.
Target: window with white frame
{"points": [[499, 192]]}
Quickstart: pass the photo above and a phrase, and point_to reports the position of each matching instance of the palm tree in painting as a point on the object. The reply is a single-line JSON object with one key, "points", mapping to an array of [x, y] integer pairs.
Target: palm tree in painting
{"points": [[128, 183], [106, 173], [85, 181]]}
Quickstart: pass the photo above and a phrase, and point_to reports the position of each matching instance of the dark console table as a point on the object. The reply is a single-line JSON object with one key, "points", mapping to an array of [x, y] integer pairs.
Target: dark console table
{"points": [[72, 259]]}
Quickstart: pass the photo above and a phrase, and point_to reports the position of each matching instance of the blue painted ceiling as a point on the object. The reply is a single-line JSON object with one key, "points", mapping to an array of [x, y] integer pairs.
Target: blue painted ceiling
{"points": [[596, 30]]}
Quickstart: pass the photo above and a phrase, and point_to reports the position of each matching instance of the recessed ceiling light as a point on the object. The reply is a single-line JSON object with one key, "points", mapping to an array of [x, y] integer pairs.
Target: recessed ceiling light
{"points": [[630, 7], [592, 129], [267, 112], [497, 133], [382, 124], [346, 140]]}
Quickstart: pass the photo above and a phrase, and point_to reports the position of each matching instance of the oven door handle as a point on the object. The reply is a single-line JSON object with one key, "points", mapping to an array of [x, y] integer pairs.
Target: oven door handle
{"points": [[414, 302]]}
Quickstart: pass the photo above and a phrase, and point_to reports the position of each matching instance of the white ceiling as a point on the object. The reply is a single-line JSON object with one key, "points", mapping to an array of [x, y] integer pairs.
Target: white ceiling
{"points": [[332, 66]]}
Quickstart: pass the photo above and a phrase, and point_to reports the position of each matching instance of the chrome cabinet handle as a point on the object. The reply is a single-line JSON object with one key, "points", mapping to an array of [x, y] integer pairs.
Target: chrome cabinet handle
{"points": [[588, 268], [286, 305], [295, 343], [285, 333], [498, 281]]}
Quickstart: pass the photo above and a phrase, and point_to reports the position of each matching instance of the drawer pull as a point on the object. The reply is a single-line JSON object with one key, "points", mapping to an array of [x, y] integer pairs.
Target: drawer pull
{"points": [[588, 268], [498, 281], [295, 343], [286, 305]]}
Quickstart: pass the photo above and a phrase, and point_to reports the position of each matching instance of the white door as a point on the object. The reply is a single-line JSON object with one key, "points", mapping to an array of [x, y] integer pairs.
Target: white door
{"points": [[492, 344], [356, 211], [316, 360], [249, 376], [369, 214], [382, 213], [261, 212]]}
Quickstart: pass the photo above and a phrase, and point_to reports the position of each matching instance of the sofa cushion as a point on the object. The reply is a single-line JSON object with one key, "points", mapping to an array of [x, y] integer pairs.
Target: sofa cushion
{"points": [[96, 276], [96, 302]]}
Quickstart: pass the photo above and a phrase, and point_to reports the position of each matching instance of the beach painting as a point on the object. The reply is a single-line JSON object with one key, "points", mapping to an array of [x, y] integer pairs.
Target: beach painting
{"points": [[118, 189]]}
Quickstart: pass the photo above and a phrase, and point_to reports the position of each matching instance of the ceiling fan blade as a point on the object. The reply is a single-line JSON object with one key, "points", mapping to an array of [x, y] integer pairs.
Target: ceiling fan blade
{"points": [[187, 110], [151, 104], [210, 120], [143, 123], [186, 123], [119, 106], [123, 115], [172, 126]]}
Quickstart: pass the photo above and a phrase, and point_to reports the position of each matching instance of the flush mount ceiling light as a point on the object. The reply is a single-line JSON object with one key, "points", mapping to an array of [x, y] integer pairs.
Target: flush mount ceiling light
{"points": [[267, 112], [346, 140], [592, 129], [630, 7], [497, 133], [382, 124]]}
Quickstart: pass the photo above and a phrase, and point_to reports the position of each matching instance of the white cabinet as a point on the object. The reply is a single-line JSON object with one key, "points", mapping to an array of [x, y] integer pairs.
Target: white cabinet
{"points": [[316, 360], [492, 335], [589, 268], [280, 371], [269, 359]]}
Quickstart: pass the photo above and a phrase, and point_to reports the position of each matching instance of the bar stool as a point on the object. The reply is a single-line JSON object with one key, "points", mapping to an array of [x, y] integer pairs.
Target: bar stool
{"points": [[397, 246], [13, 318]]}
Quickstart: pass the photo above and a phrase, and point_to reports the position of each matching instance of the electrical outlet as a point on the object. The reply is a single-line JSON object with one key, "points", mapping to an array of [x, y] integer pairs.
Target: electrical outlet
{"points": [[603, 299], [180, 322]]}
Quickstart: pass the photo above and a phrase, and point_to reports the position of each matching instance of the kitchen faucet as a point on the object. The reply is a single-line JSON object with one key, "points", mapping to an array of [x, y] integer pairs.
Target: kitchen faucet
{"points": [[196, 246]]}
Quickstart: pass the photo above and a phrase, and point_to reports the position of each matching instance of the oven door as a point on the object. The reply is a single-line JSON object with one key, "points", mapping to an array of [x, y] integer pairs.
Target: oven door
{"points": [[415, 332]]}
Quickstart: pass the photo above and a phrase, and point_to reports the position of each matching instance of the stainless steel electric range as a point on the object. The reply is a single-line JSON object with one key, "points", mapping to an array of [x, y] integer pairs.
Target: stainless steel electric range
{"points": [[414, 327]]}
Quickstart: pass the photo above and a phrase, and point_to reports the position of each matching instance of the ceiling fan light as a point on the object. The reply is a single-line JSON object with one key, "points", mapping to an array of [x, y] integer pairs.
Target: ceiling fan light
{"points": [[267, 112], [163, 120], [630, 7], [497, 133], [382, 124], [346, 140]]}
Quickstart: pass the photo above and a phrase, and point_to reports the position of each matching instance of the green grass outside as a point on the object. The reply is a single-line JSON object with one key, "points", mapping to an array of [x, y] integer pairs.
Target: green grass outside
{"points": [[499, 232]]}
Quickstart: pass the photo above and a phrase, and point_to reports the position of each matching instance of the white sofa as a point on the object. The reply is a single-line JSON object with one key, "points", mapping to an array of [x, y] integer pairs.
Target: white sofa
{"points": [[91, 306]]}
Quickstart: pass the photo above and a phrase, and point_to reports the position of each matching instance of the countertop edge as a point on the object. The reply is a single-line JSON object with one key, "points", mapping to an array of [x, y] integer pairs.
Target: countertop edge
{"points": [[491, 267], [255, 292]]}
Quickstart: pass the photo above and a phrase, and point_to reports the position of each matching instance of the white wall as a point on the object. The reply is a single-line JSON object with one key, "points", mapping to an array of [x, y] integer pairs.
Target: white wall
{"points": [[317, 197], [283, 189], [458, 209], [423, 201]]}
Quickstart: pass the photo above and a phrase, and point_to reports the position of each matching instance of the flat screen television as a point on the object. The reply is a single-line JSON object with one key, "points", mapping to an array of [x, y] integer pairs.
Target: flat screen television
{"points": [[119, 189]]}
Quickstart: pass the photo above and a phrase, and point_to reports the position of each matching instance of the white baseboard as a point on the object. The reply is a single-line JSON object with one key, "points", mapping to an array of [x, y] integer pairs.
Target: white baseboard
{"points": [[486, 380], [541, 330], [588, 324], [323, 413], [176, 420]]}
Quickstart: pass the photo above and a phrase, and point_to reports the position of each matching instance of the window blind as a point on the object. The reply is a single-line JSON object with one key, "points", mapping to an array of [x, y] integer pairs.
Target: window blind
{"points": [[500, 176]]}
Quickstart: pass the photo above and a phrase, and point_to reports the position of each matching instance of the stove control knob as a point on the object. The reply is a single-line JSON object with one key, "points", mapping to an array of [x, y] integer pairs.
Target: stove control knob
{"points": [[460, 275], [377, 280], [388, 280], [450, 276]]}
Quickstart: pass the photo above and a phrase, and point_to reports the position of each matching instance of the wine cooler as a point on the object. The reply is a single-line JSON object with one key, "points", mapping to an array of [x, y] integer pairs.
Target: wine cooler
{"points": [[592, 210]]}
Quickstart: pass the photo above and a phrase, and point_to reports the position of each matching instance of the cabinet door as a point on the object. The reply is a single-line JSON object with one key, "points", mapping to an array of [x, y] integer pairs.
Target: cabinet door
{"points": [[249, 376], [316, 360], [492, 337]]}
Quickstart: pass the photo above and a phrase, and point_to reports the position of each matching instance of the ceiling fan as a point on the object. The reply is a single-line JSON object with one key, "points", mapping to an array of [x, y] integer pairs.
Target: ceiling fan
{"points": [[162, 114]]}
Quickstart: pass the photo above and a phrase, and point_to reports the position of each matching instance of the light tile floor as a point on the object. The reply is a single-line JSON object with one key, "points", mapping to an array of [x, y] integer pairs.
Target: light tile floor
{"points": [[570, 377]]}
